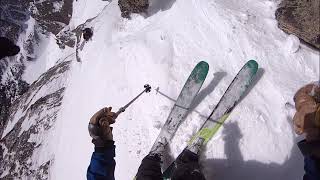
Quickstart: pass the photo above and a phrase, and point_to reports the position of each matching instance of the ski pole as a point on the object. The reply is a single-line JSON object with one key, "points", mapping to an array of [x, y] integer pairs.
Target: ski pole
{"points": [[147, 89]]}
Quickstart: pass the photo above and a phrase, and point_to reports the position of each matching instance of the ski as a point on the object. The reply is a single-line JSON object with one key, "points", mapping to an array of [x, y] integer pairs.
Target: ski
{"points": [[181, 106], [218, 116]]}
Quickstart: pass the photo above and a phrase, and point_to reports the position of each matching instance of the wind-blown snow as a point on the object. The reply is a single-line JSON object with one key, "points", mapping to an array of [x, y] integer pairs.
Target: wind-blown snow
{"points": [[257, 141]]}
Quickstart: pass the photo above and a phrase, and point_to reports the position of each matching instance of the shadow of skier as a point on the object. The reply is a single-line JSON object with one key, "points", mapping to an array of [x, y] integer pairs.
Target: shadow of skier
{"points": [[235, 167]]}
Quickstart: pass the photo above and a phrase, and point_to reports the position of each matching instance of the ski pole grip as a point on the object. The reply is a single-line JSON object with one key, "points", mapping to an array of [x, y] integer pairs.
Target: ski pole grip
{"points": [[147, 88]]}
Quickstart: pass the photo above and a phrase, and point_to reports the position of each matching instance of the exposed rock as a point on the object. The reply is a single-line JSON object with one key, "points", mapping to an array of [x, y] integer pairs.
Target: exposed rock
{"points": [[52, 15], [66, 37], [31, 118], [27, 114], [301, 18], [10, 91], [133, 6]]}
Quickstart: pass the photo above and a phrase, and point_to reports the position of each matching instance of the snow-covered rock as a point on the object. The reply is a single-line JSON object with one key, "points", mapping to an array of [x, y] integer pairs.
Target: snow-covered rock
{"points": [[301, 18], [26, 151]]}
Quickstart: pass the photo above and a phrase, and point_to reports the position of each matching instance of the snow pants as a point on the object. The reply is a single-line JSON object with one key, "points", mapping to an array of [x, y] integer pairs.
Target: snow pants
{"points": [[187, 168]]}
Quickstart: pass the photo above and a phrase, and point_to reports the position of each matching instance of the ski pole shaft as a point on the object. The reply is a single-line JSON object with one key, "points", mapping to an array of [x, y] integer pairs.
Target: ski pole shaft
{"points": [[146, 90]]}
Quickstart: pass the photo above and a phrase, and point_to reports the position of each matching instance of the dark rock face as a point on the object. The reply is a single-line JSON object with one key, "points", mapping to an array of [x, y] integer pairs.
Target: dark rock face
{"points": [[301, 18], [132, 6], [10, 91], [52, 15], [13, 15], [30, 120], [66, 37]]}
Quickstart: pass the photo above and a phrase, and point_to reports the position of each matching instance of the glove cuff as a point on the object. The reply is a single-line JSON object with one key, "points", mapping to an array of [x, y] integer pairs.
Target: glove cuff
{"points": [[99, 143], [310, 148], [109, 146]]}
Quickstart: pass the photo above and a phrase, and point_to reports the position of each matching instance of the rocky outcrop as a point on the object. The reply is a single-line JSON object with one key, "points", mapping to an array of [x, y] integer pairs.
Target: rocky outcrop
{"points": [[301, 18], [13, 16], [50, 16], [31, 118], [133, 6], [10, 91], [27, 113]]}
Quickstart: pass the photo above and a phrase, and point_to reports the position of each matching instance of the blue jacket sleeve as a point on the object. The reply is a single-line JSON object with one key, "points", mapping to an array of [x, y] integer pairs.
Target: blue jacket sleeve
{"points": [[311, 167], [311, 162], [102, 163]]}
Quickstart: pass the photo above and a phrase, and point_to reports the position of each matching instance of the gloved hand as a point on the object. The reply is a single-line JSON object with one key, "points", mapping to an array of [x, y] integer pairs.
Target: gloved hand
{"points": [[99, 126], [307, 118]]}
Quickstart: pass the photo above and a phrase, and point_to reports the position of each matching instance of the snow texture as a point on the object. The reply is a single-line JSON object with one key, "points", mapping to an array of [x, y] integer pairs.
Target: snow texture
{"points": [[292, 43], [161, 48]]}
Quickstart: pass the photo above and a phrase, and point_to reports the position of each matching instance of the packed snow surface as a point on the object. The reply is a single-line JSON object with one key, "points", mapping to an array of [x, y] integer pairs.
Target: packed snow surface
{"points": [[161, 48]]}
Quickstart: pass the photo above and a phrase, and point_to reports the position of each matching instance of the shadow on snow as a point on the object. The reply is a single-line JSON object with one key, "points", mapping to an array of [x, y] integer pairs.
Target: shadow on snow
{"points": [[235, 167]]}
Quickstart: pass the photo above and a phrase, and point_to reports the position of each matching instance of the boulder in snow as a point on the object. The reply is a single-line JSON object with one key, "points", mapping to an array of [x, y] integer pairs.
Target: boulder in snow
{"points": [[301, 18], [52, 15]]}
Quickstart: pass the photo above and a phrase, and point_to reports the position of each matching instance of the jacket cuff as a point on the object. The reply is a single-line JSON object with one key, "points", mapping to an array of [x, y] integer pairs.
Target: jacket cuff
{"points": [[309, 148]]}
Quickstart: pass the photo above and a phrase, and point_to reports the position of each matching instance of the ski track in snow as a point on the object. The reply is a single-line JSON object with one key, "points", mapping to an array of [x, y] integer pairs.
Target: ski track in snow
{"points": [[257, 141]]}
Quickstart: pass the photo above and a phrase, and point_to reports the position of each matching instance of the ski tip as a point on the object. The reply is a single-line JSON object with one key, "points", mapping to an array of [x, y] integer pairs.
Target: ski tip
{"points": [[253, 64], [201, 70], [203, 64]]}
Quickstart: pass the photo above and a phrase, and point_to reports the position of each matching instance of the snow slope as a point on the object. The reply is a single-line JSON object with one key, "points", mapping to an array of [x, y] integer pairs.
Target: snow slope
{"points": [[257, 142]]}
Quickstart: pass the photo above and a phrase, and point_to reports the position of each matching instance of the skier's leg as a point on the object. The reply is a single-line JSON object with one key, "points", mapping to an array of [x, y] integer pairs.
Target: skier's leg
{"points": [[187, 167], [150, 168]]}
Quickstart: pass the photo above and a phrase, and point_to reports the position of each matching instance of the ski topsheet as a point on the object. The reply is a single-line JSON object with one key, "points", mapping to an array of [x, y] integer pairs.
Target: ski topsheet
{"points": [[181, 107], [231, 97]]}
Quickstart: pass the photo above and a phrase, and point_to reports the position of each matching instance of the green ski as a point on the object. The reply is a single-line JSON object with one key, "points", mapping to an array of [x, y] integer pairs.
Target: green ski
{"points": [[181, 107]]}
